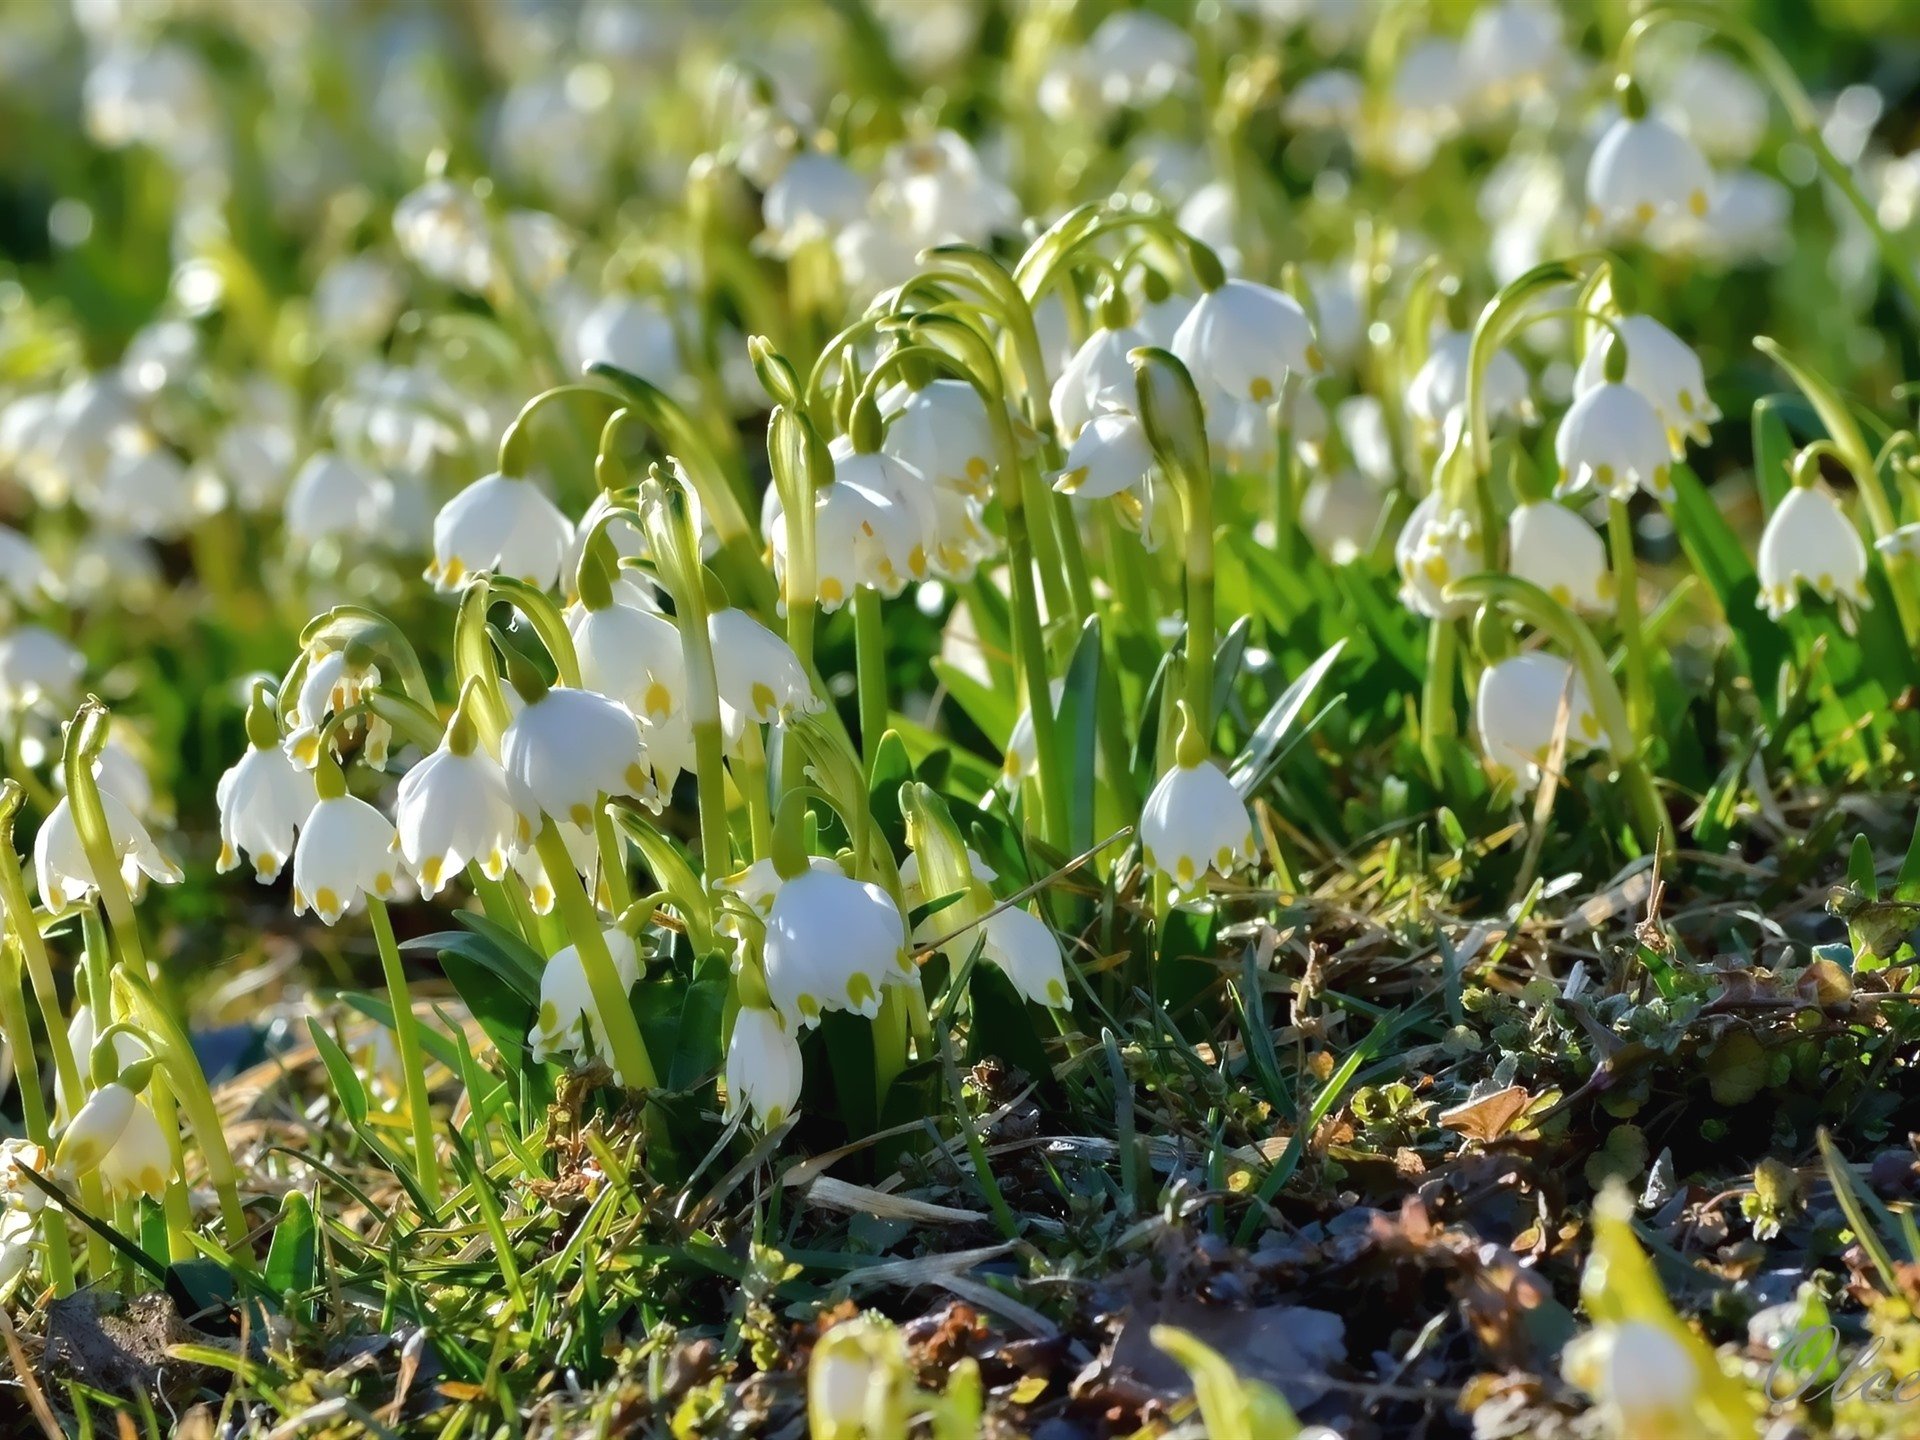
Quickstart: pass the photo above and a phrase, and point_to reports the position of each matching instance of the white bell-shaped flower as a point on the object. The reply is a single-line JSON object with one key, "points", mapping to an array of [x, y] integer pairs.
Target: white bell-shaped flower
{"points": [[1436, 547], [335, 681], [634, 334], [763, 1067], [1097, 379], [1643, 169], [1023, 751], [334, 498], [23, 572], [1512, 49], [1195, 822], [1719, 105], [1439, 388], [1613, 439], [1245, 339], [118, 770], [60, 864], [1663, 368], [861, 538], [1108, 457], [1641, 1376], [458, 807], [264, 799], [900, 485], [356, 300], [568, 747], [582, 849], [147, 491], [36, 667], [1329, 99], [569, 1023], [815, 198], [832, 942], [91, 1135], [941, 430], [1025, 947], [1517, 711], [633, 655], [1340, 514], [346, 850], [138, 1162], [755, 887], [1809, 541], [501, 523], [757, 672], [1140, 57], [1550, 546], [442, 228]]}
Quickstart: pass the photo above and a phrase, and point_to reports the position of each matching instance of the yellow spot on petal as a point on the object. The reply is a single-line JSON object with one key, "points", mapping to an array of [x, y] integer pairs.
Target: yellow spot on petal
{"points": [[326, 902], [430, 869], [1261, 390], [636, 777], [383, 882], [1223, 862], [1697, 203], [1183, 870], [1643, 213], [455, 570], [761, 697], [832, 592], [580, 815]]}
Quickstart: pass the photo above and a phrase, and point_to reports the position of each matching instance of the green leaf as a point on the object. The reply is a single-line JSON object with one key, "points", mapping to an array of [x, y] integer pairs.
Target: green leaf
{"points": [[293, 1257], [992, 710], [505, 957], [346, 1080], [1721, 560], [672, 872], [1261, 755], [1233, 1409], [696, 1050], [1076, 734]]}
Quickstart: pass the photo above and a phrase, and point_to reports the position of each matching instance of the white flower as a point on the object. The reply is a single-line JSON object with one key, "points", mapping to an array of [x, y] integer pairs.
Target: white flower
{"points": [[345, 850], [1329, 99], [457, 807], [1643, 169], [633, 655], [60, 862], [832, 942], [1434, 550], [148, 492], [1612, 438], [1640, 1374], [815, 198], [1025, 947], [1023, 751], [1809, 540], [756, 886], [335, 681], [1439, 387], [1139, 57], [632, 334], [500, 523], [1663, 368], [763, 1067], [1193, 822], [937, 185], [758, 674], [941, 430], [1110, 455], [119, 771], [264, 799], [1340, 513], [37, 666], [582, 849], [1517, 711], [1511, 50], [1719, 105], [138, 1162], [1552, 547], [336, 498], [92, 1134], [18, 1232], [1097, 379], [569, 747], [1246, 339], [356, 299], [861, 538], [23, 573], [569, 1021], [442, 228]]}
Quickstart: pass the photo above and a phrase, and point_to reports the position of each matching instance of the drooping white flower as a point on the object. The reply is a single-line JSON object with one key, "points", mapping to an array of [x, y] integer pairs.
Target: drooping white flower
{"points": [[815, 198], [1139, 57], [633, 655], [1195, 822], [356, 300], [147, 491], [500, 523], [1640, 1374], [95, 1130], [442, 228], [757, 672], [458, 807], [264, 799], [1613, 439], [568, 747], [1511, 50], [1663, 368], [1552, 547], [1329, 99], [941, 430], [1023, 750], [763, 1067], [939, 188], [335, 681], [138, 1162], [60, 863], [1643, 169], [1025, 947], [336, 498], [346, 850], [1436, 547], [1109, 456], [1098, 378], [1809, 541], [569, 1022], [582, 849], [23, 573], [37, 666], [832, 942], [1340, 513], [634, 334], [1245, 339], [118, 770], [860, 537], [1718, 104], [1517, 711], [1439, 387]]}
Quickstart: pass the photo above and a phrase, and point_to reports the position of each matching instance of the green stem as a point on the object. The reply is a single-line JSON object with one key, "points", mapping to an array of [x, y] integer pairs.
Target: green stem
{"points": [[585, 931], [1437, 718], [413, 1060], [1197, 494], [1626, 577], [34, 1112], [174, 1203], [870, 663], [750, 779]]}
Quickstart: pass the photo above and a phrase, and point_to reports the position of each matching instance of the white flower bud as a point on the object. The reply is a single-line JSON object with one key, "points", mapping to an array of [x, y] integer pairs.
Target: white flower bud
{"points": [[763, 1067], [1517, 710]]}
